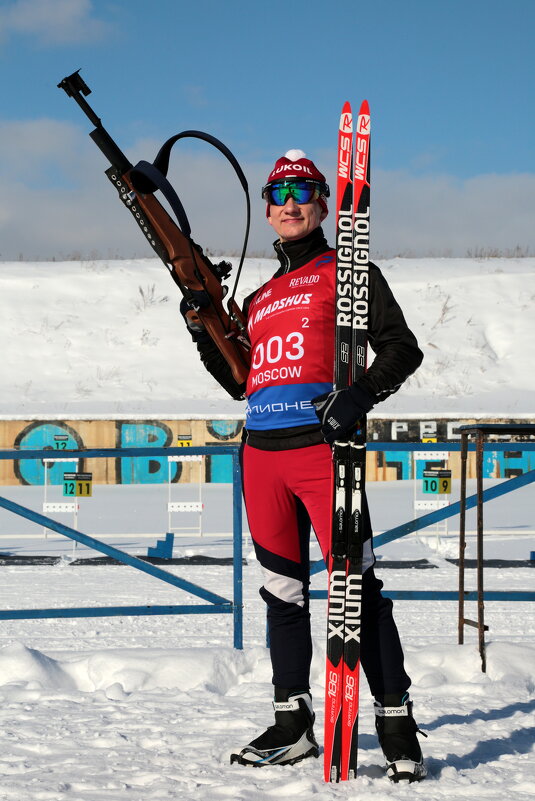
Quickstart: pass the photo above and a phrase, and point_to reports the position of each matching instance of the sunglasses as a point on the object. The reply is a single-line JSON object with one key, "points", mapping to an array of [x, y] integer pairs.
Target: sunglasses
{"points": [[302, 190]]}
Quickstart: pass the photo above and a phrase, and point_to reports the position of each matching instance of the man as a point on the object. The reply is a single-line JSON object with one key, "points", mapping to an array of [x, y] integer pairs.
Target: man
{"points": [[293, 416]]}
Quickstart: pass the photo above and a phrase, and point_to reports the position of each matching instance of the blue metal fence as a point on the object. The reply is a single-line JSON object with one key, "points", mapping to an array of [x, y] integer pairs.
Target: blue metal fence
{"points": [[216, 603], [451, 510]]}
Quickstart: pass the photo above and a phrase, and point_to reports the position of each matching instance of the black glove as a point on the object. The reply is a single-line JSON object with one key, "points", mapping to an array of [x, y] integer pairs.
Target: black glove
{"points": [[339, 411], [187, 310]]}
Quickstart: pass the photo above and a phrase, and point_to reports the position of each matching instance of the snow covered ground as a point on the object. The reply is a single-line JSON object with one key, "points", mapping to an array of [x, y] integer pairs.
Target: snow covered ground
{"points": [[149, 708]]}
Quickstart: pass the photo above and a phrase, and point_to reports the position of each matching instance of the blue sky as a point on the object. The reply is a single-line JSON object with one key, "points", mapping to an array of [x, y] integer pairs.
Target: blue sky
{"points": [[450, 85]]}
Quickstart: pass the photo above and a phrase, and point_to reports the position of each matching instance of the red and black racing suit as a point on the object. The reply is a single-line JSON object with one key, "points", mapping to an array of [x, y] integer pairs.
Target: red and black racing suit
{"points": [[287, 466]]}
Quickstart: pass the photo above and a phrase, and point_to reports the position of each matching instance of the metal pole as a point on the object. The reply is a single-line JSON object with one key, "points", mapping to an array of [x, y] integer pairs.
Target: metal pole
{"points": [[480, 601], [115, 553], [237, 551], [462, 534]]}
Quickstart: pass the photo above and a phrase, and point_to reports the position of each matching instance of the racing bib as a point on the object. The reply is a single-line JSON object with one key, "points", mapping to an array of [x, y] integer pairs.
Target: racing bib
{"points": [[291, 328]]}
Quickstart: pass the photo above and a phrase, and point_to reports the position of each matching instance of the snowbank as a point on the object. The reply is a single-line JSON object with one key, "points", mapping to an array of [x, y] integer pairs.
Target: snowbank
{"points": [[107, 337], [155, 724]]}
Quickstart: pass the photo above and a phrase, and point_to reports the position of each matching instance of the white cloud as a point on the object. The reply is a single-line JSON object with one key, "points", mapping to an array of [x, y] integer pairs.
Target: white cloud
{"points": [[57, 201], [441, 215], [33, 147], [52, 21]]}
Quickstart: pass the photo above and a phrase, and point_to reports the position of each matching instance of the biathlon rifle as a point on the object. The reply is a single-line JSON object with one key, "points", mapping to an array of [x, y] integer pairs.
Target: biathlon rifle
{"points": [[200, 281]]}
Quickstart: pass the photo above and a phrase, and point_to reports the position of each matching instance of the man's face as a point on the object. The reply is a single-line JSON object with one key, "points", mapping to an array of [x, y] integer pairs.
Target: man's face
{"points": [[293, 220]]}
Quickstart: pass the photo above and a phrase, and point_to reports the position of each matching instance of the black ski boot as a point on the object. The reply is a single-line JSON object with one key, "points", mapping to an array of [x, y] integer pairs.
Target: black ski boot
{"points": [[396, 729], [290, 739]]}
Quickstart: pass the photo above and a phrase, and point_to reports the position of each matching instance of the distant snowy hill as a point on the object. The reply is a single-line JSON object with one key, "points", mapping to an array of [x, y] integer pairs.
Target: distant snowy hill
{"points": [[106, 337]]}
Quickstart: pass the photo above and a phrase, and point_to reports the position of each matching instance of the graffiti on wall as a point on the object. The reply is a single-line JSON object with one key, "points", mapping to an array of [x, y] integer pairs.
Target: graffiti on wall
{"points": [[60, 437], [46, 436]]}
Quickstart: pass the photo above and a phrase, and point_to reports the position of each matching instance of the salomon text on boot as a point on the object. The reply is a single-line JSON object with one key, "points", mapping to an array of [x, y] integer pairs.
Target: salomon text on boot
{"points": [[397, 729], [290, 739]]}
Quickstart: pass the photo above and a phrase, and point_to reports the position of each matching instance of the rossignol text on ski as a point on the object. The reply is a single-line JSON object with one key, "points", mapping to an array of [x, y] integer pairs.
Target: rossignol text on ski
{"points": [[349, 456]]}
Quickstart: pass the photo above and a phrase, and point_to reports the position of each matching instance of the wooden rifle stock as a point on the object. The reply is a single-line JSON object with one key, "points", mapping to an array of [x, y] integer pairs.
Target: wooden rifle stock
{"points": [[192, 271]]}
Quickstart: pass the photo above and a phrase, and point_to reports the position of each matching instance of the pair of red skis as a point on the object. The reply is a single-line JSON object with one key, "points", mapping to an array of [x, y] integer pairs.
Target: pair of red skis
{"points": [[349, 456]]}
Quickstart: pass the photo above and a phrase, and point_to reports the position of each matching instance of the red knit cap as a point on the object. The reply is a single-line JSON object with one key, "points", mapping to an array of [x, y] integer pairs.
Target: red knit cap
{"points": [[294, 164]]}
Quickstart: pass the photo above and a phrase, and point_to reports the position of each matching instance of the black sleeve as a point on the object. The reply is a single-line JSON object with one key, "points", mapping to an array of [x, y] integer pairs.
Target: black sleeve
{"points": [[397, 354], [217, 366], [214, 361]]}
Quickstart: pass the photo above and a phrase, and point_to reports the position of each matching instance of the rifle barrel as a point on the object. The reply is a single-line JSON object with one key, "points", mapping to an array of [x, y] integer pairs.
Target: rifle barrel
{"points": [[75, 86]]}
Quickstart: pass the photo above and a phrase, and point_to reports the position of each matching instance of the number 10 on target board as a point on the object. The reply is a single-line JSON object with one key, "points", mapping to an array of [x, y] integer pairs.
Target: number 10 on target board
{"points": [[437, 482]]}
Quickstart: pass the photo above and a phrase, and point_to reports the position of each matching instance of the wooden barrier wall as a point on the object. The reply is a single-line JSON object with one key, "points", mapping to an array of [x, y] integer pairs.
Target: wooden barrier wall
{"points": [[67, 434]]}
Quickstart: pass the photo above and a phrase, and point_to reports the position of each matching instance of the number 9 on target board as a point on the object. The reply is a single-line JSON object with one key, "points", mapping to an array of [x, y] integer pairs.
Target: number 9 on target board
{"points": [[437, 482]]}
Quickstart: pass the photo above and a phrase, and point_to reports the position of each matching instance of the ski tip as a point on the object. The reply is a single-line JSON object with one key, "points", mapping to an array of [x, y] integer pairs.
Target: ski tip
{"points": [[346, 119], [363, 120]]}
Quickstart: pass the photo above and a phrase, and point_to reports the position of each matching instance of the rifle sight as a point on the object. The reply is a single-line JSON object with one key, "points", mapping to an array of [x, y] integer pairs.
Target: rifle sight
{"points": [[73, 84]]}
